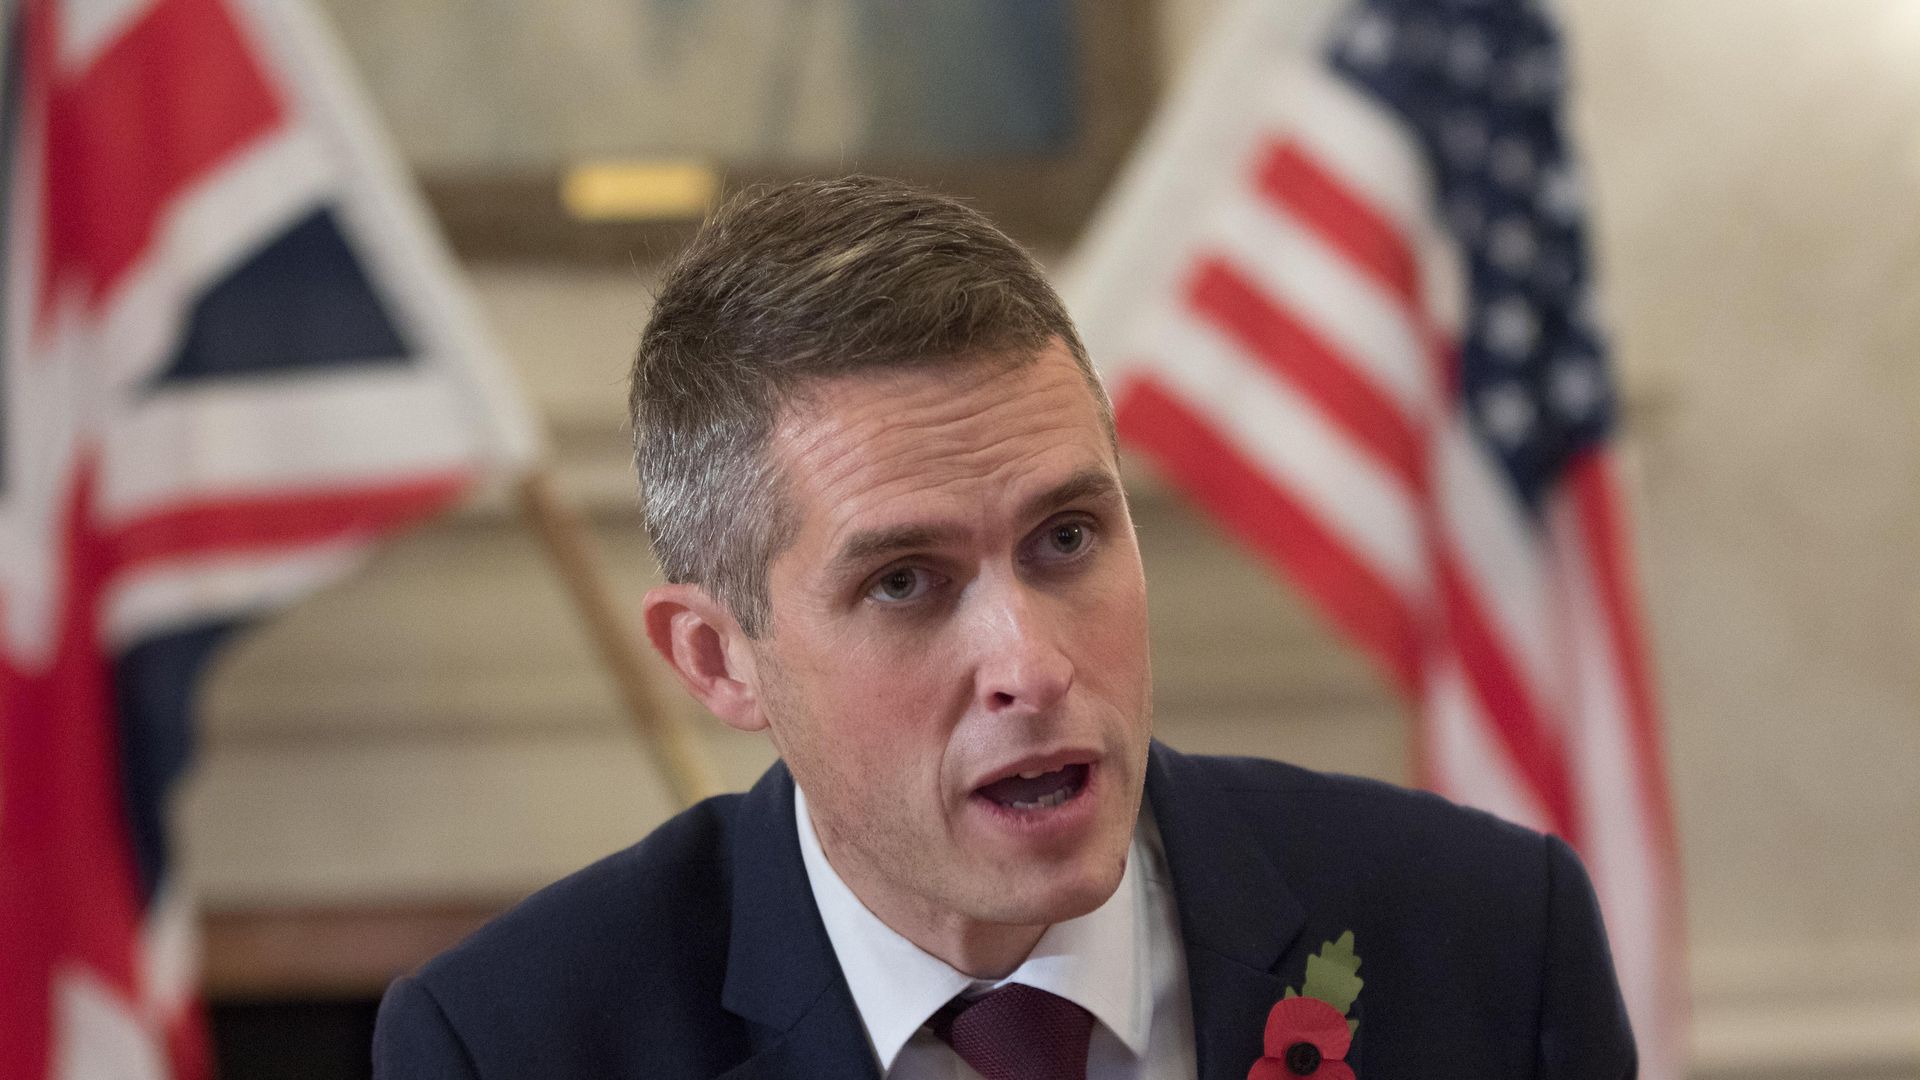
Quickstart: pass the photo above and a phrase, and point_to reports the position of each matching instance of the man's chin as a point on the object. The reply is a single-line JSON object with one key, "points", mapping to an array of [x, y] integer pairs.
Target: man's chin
{"points": [[1048, 895], [1037, 869]]}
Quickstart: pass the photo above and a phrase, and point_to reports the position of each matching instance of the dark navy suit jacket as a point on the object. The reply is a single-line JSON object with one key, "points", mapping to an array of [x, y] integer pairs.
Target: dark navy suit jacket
{"points": [[699, 953]]}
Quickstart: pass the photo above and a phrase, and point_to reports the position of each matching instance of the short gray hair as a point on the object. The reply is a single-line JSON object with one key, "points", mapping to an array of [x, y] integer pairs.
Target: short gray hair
{"points": [[787, 285]]}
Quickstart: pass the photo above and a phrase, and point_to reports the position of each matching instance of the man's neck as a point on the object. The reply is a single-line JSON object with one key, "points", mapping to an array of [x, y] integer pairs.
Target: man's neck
{"points": [[977, 949], [1103, 960], [981, 950]]}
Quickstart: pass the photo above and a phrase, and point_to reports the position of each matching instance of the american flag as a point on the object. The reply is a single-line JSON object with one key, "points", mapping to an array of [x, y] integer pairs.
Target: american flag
{"points": [[231, 357], [1343, 299]]}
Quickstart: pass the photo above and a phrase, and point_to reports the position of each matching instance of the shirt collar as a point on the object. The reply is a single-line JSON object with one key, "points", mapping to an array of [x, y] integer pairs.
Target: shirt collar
{"points": [[1099, 961]]}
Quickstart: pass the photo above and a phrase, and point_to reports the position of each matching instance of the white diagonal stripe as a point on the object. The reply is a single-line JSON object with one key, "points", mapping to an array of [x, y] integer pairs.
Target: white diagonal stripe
{"points": [[353, 428], [1468, 763], [1371, 513], [1489, 534], [1323, 290], [203, 588], [99, 1034], [1349, 136], [1192, 152], [204, 234], [394, 231], [1618, 842], [89, 26], [169, 952]]}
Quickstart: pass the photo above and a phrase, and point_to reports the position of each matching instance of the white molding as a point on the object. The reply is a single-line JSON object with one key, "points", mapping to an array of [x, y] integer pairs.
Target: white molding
{"points": [[1833, 1040], [1835, 1010]]}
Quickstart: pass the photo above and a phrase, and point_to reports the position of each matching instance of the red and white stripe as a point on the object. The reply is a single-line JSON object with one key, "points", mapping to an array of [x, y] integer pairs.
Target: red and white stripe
{"points": [[1292, 371]]}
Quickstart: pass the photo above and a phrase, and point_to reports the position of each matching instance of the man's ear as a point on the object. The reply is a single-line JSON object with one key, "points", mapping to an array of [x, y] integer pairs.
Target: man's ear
{"points": [[704, 645]]}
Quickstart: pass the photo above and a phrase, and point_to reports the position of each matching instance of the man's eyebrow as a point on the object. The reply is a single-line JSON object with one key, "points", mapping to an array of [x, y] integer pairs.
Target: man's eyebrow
{"points": [[1090, 483], [864, 547]]}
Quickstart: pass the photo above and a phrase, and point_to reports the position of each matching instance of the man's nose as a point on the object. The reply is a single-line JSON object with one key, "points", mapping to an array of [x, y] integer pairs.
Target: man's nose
{"points": [[1022, 665]]}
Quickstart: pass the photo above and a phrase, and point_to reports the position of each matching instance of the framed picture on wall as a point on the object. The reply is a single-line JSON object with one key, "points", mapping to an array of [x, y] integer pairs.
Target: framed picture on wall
{"points": [[1026, 106]]}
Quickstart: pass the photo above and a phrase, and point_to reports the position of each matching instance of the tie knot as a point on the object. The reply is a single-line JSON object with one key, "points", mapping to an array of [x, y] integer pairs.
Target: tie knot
{"points": [[1017, 1033]]}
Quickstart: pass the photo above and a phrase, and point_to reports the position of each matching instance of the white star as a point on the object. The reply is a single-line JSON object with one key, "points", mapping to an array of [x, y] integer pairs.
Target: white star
{"points": [[1511, 328], [1560, 196], [1511, 245], [1425, 43], [1576, 387], [1469, 58], [1369, 42], [1534, 76], [1586, 311], [1467, 216], [1464, 137], [1553, 271], [1509, 413], [1511, 161]]}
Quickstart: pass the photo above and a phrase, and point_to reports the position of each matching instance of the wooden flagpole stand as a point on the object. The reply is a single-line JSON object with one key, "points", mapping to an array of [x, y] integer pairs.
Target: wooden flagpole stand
{"points": [[673, 744]]}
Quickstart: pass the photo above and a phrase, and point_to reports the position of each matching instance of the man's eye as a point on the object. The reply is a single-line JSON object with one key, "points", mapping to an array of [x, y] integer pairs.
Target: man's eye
{"points": [[1065, 541], [1068, 538], [899, 586]]}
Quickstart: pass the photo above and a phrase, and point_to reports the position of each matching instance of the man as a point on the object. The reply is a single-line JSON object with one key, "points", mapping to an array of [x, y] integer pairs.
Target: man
{"points": [[880, 476]]}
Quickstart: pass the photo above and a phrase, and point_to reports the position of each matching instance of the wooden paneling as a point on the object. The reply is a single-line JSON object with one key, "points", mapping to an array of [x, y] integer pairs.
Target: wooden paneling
{"points": [[308, 952]]}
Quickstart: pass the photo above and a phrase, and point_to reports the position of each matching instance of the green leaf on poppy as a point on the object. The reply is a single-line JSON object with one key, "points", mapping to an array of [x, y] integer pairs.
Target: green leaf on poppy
{"points": [[1333, 973]]}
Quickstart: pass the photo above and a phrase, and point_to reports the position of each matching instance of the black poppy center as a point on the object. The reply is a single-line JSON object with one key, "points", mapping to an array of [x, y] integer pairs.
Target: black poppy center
{"points": [[1303, 1058]]}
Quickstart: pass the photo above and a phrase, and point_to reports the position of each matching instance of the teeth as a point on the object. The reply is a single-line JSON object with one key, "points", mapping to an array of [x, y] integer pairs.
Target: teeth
{"points": [[1042, 802], [1034, 775]]}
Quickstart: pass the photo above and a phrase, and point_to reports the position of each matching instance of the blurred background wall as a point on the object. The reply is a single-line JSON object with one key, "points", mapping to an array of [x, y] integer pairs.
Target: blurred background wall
{"points": [[435, 739]]}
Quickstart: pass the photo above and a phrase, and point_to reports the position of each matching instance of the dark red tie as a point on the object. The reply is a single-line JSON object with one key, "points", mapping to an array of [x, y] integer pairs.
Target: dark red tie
{"points": [[1017, 1033]]}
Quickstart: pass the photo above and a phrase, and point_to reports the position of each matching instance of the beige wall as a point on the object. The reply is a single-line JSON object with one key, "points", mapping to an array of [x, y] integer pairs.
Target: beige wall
{"points": [[1758, 166], [436, 727]]}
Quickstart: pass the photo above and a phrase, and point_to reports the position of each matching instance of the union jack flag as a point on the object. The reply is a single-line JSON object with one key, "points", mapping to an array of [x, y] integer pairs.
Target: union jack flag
{"points": [[233, 358], [1343, 301]]}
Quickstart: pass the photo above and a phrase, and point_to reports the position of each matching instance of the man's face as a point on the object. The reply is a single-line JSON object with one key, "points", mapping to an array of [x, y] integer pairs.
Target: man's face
{"points": [[962, 603]]}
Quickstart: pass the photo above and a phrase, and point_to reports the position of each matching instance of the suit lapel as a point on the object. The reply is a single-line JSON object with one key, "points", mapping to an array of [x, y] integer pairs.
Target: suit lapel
{"points": [[781, 971], [1237, 914], [1239, 919], [818, 1045]]}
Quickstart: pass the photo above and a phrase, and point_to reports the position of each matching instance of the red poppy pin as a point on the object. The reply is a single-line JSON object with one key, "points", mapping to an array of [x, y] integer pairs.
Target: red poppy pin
{"points": [[1308, 1033]]}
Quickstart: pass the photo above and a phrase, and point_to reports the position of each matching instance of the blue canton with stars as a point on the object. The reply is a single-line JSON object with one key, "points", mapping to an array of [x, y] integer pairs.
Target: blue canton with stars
{"points": [[1479, 83]]}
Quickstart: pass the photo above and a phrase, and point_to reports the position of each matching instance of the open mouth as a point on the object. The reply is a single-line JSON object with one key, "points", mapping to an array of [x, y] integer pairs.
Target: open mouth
{"points": [[1037, 790]]}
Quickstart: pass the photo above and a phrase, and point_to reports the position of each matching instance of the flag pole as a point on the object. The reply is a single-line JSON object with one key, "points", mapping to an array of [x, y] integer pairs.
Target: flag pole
{"points": [[675, 748]]}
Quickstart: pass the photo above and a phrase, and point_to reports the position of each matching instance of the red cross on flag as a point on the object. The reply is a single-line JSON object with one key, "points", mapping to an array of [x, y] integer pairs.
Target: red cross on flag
{"points": [[232, 357]]}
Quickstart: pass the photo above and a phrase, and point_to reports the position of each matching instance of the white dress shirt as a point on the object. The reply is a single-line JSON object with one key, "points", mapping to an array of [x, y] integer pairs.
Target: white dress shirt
{"points": [[1123, 962]]}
